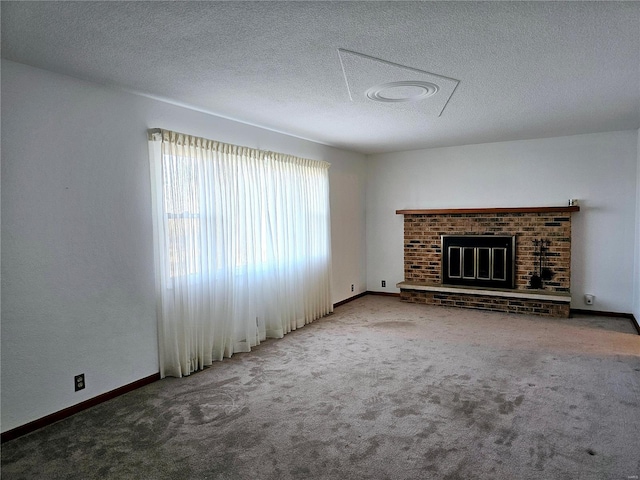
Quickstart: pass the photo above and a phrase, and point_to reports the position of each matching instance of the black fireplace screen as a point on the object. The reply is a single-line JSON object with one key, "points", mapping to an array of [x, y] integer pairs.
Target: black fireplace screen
{"points": [[478, 260]]}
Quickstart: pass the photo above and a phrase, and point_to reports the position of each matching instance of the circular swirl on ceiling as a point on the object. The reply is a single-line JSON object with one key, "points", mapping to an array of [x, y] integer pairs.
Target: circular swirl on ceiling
{"points": [[404, 91]]}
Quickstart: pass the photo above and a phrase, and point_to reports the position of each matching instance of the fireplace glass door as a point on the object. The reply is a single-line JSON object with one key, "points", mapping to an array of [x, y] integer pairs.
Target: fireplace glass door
{"points": [[478, 260]]}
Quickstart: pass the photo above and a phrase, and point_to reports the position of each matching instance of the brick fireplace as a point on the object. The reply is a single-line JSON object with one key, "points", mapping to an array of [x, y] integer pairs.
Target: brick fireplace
{"points": [[542, 249]]}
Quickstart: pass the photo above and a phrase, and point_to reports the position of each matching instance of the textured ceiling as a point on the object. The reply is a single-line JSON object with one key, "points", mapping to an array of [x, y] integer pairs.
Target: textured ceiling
{"points": [[526, 69]]}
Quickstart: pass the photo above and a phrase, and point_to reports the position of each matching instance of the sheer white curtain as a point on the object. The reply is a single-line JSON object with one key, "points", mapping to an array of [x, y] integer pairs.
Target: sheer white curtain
{"points": [[242, 247]]}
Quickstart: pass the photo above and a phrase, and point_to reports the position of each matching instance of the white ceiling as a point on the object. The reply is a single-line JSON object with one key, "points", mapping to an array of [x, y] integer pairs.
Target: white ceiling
{"points": [[526, 69]]}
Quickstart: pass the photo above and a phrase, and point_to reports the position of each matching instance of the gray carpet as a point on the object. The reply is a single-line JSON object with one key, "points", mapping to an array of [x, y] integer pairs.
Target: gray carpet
{"points": [[379, 390]]}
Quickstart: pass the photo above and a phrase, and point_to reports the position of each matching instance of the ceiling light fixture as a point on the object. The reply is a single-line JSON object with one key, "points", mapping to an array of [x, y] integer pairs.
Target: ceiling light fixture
{"points": [[403, 91]]}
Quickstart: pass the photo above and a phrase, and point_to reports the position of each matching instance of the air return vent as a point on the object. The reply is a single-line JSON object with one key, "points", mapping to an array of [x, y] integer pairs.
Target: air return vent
{"points": [[371, 79]]}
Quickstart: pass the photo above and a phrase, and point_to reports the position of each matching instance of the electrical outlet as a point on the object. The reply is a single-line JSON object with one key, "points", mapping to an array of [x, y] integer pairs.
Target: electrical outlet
{"points": [[384, 283], [352, 287], [589, 299], [79, 381]]}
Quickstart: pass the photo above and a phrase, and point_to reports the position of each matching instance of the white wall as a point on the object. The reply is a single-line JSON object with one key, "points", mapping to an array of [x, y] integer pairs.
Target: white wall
{"points": [[598, 169], [636, 275], [77, 260]]}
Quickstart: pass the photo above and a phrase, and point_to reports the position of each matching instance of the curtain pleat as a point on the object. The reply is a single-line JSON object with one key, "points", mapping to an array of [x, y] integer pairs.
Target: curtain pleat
{"points": [[242, 247]]}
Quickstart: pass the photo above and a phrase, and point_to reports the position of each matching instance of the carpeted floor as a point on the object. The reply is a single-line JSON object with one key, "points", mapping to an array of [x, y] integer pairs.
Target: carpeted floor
{"points": [[379, 390]]}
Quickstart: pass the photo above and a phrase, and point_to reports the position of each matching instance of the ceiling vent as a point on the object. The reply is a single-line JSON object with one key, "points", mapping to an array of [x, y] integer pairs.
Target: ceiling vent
{"points": [[371, 79]]}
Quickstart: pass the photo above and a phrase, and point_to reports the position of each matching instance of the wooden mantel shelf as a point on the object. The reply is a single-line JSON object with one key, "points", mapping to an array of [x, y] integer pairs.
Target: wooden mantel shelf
{"points": [[453, 211]]}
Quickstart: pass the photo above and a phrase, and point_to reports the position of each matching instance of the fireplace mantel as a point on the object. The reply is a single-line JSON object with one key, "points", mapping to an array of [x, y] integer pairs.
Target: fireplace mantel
{"points": [[453, 211]]}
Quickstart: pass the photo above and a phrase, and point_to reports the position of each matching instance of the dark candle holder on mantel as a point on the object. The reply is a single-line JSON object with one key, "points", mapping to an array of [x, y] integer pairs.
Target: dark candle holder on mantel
{"points": [[544, 273]]}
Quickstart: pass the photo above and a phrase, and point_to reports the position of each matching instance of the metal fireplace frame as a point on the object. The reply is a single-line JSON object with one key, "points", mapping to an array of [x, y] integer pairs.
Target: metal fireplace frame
{"points": [[467, 271]]}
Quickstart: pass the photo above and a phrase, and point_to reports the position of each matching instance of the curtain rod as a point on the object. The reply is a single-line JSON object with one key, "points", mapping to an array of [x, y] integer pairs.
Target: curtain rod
{"points": [[155, 134]]}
